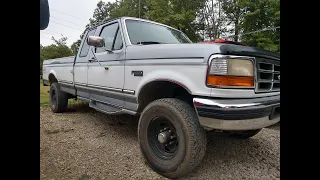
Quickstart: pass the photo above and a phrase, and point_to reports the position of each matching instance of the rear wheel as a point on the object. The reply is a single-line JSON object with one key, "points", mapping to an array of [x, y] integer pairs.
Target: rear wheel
{"points": [[171, 138], [244, 134], [58, 99]]}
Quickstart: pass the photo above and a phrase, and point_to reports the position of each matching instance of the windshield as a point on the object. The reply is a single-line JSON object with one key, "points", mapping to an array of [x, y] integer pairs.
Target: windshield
{"points": [[141, 32]]}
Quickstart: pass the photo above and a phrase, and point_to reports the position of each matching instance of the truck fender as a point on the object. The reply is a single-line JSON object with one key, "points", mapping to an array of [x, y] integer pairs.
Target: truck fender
{"points": [[53, 72], [166, 75]]}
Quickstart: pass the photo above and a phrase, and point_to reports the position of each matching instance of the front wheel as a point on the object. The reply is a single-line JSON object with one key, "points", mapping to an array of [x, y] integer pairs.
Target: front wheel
{"points": [[171, 138]]}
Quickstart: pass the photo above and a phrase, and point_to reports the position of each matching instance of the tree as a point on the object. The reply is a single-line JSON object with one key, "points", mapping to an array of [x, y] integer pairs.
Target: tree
{"points": [[207, 18], [212, 20], [261, 15], [57, 50], [130, 8], [253, 22], [101, 13], [180, 14], [177, 13], [60, 42], [234, 11], [75, 46]]}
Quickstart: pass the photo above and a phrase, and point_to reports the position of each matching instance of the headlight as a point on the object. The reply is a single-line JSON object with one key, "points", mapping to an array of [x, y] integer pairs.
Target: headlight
{"points": [[231, 72]]}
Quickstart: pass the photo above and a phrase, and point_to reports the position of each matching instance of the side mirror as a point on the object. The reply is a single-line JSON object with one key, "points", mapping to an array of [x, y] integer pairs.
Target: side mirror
{"points": [[44, 14], [95, 41]]}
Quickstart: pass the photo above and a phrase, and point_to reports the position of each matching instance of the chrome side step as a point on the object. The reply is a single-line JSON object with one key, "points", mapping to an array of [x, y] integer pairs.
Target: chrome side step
{"points": [[104, 108]]}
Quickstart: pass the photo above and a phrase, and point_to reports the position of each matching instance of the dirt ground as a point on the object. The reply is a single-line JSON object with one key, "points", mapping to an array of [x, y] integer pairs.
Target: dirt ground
{"points": [[84, 144]]}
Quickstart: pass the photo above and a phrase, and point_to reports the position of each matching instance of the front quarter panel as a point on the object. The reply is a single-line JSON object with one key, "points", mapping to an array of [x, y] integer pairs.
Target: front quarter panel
{"points": [[191, 77]]}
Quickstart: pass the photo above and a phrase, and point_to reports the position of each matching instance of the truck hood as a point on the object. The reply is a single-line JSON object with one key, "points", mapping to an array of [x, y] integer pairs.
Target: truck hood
{"points": [[176, 51]]}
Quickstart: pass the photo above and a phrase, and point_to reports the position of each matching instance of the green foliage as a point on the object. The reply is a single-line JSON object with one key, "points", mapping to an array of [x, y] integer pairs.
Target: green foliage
{"points": [[235, 11], [176, 13], [211, 18], [101, 13], [57, 50], [75, 46], [255, 15], [129, 8]]}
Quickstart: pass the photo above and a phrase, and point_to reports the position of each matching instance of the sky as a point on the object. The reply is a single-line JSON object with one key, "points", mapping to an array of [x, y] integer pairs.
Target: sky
{"points": [[68, 18]]}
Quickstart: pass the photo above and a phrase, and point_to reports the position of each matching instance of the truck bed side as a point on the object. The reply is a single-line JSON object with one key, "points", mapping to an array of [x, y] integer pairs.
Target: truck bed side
{"points": [[60, 69]]}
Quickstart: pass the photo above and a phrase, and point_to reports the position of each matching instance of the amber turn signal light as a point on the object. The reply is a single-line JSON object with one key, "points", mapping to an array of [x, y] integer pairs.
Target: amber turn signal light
{"points": [[230, 81]]}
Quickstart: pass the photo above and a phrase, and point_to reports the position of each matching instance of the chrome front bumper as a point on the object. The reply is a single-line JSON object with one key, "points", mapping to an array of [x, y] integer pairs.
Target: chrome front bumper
{"points": [[238, 114]]}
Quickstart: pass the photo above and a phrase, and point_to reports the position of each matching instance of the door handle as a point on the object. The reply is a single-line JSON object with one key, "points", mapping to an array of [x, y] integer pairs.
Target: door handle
{"points": [[106, 68], [92, 59], [71, 71]]}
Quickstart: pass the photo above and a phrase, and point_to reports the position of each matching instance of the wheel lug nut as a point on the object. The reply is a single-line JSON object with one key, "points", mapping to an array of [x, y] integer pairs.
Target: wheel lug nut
{"points": [[170, 131], [171, 142], [172, 137], [165, 128]]}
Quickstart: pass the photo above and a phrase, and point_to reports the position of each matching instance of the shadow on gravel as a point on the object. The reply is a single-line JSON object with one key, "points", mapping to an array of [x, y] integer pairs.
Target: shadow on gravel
{"points": [[223, 153], [275, 127], [124, 126], [79, 107]]}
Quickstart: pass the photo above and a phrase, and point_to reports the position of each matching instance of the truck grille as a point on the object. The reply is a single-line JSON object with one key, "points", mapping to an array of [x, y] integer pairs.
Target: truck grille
{"points": [[268, 75]]}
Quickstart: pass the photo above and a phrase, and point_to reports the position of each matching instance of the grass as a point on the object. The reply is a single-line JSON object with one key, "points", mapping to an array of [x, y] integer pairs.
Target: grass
{"points": [[44, 95], [44, 99]]}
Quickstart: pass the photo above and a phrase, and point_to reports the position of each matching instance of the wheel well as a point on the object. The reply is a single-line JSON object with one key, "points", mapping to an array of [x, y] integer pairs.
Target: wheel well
{"points": [[162, 89], [52, 79]]}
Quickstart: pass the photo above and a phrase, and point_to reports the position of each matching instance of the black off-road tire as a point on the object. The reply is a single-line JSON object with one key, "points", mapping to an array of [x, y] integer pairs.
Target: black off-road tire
{"points": [[58, 99], [191, 137], [244, 134]]}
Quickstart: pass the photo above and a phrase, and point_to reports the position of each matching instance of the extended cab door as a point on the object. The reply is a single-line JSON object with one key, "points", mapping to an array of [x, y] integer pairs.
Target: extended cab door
{"points": [[80, 68], [106, 79]]}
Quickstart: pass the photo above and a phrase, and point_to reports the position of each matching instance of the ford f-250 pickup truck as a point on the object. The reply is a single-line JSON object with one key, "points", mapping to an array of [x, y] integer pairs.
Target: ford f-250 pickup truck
{"points": [[178, 88]]}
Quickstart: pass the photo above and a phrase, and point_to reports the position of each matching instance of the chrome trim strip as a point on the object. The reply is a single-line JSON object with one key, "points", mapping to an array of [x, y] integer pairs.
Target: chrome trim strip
{"points": [[114, 91], [65, 82], [104, 87], [150, 64], [128, 91], [268, 91], [236, 104], [79, 84], [165, 64], [59, 65], [251, 124], [98, 87]]}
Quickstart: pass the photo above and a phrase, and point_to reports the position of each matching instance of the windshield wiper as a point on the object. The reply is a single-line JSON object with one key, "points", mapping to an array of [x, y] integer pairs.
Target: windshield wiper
{"points": [[148, 42]]}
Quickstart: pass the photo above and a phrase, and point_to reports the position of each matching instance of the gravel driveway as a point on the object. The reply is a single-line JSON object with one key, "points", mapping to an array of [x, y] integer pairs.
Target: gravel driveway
{"points": [[84, 144]]}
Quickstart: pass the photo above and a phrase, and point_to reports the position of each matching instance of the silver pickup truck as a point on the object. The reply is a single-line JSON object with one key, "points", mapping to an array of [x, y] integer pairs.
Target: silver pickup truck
{"points": [[178, 88]]}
